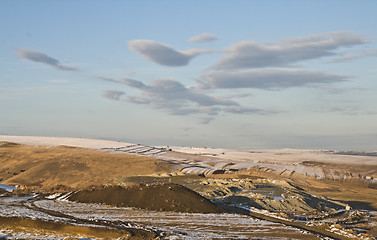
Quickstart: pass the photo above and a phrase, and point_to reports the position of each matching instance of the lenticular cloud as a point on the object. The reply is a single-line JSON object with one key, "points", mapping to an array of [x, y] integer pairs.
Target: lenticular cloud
{"points": [[40, 57]]}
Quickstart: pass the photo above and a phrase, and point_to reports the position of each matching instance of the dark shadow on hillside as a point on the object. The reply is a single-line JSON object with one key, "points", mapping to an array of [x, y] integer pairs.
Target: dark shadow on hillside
{"points": [[360, 205]]}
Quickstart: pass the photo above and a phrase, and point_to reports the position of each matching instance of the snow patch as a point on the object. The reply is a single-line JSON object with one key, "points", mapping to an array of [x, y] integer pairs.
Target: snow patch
{"points": [[7, 187]]}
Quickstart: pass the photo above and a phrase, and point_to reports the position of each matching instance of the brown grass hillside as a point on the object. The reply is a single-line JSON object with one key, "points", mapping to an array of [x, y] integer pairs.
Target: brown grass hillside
{"points": [[47, 167]]}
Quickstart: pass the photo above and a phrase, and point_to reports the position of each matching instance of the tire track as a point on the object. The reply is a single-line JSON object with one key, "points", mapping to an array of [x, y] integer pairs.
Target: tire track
{"points": [[116, 225]]}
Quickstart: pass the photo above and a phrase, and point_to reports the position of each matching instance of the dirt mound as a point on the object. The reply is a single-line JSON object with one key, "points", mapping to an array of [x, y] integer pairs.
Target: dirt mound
{"points": [[159, 197]]}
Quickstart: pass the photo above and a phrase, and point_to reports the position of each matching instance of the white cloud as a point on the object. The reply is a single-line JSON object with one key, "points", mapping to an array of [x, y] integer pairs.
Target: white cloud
{"points": [[249, 54], [174, 98], [370, 53], [249, 110], [172, 95], [127, 81], [112, 94], [163, 54], [201, 38], [246, 64], [267, 79], [42, 58]]}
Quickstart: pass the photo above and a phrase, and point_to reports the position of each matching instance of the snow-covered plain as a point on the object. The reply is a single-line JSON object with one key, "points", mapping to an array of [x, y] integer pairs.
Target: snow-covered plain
{"points": [[199, 160], [56, 141]]}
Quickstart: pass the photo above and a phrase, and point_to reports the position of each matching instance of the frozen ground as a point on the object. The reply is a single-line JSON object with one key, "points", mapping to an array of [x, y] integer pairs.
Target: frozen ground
{"points": [[173, 225], [55, 141]]}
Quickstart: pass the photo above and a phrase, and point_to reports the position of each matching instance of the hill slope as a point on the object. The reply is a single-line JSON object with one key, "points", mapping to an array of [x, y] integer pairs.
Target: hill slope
{"points": [[47, 167]]}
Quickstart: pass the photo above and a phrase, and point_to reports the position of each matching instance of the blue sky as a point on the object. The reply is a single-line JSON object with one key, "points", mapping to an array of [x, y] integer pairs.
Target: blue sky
{"points": [[233, 74]]}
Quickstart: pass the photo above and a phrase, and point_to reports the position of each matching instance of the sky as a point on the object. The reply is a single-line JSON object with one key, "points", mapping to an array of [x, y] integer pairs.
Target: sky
{"points": [[230, 74]]}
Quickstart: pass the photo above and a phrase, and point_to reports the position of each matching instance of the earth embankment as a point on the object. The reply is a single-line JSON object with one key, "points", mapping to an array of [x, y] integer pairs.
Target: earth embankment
{"points": [[159, 197]]}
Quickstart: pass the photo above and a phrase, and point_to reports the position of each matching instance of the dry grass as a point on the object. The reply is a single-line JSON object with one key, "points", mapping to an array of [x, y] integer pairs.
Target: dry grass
{"points": [[48, 167]]}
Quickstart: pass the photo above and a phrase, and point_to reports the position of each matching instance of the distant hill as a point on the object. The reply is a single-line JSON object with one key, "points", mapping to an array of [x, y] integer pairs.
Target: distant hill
{"points": [[72, 167]]}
